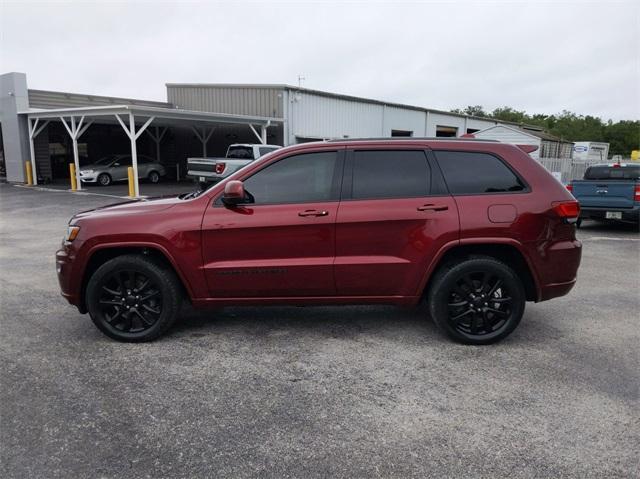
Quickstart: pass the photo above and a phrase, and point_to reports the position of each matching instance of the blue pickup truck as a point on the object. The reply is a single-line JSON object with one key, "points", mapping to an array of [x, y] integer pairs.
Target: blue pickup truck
{"points": [[609, 192]]}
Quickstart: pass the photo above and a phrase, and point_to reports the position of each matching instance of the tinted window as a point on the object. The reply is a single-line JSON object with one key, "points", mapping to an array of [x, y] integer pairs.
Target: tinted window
{"points": [[296, 179], [241, 152], [263, 150], [629, 172], [469, 173], [390, 174]]}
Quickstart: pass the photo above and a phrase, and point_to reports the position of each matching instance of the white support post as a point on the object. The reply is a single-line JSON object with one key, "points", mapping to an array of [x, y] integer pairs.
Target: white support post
{"points": [[157, 138], [255, 132], [76, 156], [203, 137], [263, 134], [32, 150], [33, 132], [73, 133], [134, 155], [133, 136]]}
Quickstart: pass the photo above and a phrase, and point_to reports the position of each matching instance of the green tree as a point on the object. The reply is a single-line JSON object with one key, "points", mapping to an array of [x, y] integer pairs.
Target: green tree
{"points": [[623, 136]]}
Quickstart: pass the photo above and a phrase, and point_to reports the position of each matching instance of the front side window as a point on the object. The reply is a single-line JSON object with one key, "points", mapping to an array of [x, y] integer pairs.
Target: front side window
{"points": [[123, 161], [475, 172], [390, 174], [297, 179]]}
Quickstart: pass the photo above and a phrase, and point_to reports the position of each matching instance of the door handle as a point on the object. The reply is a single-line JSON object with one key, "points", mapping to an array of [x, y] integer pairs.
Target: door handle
{"points": [[313, 213], [432, 208]]}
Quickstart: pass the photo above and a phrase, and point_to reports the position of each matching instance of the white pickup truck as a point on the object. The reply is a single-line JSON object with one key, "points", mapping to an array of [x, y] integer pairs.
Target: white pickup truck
{"points": [[212, 170]]}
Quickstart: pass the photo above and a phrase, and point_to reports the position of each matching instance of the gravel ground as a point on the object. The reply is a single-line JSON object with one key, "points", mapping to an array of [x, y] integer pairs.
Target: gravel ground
{"points": [[314, 392]]}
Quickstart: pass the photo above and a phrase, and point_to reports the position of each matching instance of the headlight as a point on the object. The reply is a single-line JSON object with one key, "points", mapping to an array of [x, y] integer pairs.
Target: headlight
{"points": [[86, 172], [72, 233]]}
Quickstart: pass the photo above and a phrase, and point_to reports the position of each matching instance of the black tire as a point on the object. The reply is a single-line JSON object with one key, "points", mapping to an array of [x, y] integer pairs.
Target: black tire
{"points": [[104, 179], [578, 223], [154, 177], [476, 301], [132, 298]]}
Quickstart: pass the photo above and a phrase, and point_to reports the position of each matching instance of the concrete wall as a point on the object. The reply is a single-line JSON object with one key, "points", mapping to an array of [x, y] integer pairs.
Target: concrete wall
{"points": [[14, 98]]}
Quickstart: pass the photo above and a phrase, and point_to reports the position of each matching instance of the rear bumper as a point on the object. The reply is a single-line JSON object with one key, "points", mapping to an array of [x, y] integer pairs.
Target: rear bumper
{"points": [[558, 271], [628, 214]]}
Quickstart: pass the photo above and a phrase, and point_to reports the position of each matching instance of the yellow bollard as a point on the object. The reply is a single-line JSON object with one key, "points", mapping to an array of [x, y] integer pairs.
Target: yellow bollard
{"points": [[29, 173], [72, 175], [132, 192]]}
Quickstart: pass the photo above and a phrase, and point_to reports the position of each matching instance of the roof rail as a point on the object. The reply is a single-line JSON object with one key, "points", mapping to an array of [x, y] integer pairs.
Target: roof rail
{"points": [[405, 138]]}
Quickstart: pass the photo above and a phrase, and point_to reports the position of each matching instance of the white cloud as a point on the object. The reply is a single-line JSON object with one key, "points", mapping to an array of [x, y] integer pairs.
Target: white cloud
{"points": [[533, 56]]}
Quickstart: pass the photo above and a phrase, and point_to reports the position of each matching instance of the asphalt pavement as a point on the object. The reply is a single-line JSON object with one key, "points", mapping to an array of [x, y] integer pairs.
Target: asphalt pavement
{"points": [[314, 392]]}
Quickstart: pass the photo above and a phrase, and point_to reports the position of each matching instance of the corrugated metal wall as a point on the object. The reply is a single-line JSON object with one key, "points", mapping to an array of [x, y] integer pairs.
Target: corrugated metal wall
{"points": [[236, 100], [55, 99], [319, 116], [315, 116]]}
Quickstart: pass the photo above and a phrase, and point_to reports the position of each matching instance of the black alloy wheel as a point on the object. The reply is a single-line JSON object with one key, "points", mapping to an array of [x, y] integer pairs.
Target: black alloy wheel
{"points": [[130, 301], [477, 301], [133, 298]]}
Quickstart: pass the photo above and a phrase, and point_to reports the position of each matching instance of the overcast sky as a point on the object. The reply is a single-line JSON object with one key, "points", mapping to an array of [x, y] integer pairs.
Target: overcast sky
{"points": [[541, 57]]}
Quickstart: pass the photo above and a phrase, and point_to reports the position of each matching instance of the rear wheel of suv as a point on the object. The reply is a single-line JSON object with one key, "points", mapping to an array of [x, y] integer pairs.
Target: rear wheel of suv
{"points": [[477, 301], [132, 298]]}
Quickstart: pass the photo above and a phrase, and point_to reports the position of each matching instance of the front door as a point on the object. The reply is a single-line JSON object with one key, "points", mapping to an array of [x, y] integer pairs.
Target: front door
{"points": [[281, 243], [394, 217]]}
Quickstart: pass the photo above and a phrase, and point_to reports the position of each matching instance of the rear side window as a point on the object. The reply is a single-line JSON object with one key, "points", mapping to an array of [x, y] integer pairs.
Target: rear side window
{"points": [[263, 150], [628, 172], [473, 172], [390, 174]]}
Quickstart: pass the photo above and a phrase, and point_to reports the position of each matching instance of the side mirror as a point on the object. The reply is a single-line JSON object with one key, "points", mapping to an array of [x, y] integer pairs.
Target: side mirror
{"points": [[234, 193]]}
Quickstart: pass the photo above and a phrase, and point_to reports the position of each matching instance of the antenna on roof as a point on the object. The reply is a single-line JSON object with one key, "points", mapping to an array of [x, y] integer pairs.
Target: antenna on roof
{"points": [[300, 80]]}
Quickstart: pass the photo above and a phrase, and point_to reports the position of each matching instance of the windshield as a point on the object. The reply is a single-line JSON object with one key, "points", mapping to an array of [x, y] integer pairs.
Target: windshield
{"points": [[241, 152], [618, 172]]}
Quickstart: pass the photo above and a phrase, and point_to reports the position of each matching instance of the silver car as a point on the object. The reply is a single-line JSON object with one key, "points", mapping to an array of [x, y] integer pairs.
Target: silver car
{"points": [[114, 168]]}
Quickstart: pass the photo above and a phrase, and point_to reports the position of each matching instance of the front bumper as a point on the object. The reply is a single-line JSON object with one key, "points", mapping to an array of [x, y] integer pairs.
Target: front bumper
{"points": [[67, 277]]}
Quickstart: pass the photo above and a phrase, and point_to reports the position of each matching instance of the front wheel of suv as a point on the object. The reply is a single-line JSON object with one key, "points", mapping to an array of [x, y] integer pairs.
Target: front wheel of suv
{"points": [[133, 298], [476, 301]]}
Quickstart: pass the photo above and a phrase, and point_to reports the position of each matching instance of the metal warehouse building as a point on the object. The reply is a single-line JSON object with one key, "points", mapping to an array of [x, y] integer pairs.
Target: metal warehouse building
{"points": [[53, 129]]}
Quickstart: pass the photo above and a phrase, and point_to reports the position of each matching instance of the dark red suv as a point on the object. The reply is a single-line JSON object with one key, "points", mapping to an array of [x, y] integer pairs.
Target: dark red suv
{"points": [[474, 228]]}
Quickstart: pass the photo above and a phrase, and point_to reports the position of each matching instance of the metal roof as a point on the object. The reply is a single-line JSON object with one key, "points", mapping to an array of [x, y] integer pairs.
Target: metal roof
{"points": [[169, 115]]}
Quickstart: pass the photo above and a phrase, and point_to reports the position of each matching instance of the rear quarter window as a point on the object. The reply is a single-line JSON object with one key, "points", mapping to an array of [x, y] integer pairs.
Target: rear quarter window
{"points": [[468, 173]]}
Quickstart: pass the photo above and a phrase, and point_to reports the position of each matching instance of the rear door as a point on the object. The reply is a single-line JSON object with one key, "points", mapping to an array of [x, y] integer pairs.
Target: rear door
{"points": [[394, 216]]}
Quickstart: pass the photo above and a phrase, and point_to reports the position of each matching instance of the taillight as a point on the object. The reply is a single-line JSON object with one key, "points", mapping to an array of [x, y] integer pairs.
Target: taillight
{"points": [[220, 167], [570, 187], [636, 194], [568, 210]]}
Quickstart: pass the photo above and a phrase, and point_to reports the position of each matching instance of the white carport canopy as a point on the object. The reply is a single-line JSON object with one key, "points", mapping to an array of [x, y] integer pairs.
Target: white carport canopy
{"points": [[134, 121]]}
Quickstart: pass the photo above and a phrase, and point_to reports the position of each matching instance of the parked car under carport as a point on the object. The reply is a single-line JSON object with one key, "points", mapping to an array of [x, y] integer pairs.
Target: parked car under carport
{"points": [[114, 168]]}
